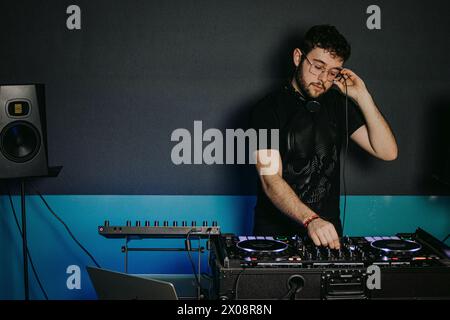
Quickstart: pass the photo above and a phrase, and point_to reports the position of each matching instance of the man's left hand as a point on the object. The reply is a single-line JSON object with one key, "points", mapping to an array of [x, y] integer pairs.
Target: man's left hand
{"points": [[356, 88]]}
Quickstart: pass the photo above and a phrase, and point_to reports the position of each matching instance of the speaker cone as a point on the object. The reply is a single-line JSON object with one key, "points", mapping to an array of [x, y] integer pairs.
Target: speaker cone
{"points": [[20, 141]]}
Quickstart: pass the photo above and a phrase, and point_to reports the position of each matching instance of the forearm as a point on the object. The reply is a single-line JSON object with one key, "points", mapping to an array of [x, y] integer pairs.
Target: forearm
{"points": [[380, 134], [285, 199]]}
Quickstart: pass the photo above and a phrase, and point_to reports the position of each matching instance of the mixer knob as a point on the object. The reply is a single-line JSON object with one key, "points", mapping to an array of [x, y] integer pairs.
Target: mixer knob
{"points": [[175, 224], [138, 223], [147, 223], [156, 223], [106, 223], [166, 223], [128, 223]]}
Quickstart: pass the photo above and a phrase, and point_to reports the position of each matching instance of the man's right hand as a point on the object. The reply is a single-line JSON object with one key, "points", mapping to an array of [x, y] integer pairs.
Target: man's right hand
{"points": [[323, 233]]}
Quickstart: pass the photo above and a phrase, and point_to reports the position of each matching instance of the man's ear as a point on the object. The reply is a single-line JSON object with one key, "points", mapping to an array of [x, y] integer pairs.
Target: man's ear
{"points": [[297, 56]]}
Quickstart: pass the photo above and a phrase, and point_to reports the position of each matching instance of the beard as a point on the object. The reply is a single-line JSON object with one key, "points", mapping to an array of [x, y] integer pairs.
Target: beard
{"points": [[311, 90]]}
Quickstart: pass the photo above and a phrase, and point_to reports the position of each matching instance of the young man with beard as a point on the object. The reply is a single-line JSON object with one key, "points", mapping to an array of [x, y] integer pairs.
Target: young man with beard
{"points": [[310, 113]]}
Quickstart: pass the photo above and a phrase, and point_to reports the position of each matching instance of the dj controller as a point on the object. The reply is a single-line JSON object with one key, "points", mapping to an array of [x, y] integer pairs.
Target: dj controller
{"points": [[404, 266]]}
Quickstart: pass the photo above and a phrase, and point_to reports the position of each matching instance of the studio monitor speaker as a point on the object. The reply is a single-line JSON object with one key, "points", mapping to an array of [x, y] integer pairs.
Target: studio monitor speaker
{"points": [[23, 137]]}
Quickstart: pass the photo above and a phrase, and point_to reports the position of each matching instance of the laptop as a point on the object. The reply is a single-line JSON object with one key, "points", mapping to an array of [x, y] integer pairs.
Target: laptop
{"points": [[111, 285]]}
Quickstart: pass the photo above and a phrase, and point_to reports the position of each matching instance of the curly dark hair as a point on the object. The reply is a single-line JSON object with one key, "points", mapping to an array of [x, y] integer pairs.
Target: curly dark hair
{"points": [[326, 37]]}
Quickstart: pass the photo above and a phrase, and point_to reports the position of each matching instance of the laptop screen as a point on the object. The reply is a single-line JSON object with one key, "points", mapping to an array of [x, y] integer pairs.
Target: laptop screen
{"points": [[111, 285]]}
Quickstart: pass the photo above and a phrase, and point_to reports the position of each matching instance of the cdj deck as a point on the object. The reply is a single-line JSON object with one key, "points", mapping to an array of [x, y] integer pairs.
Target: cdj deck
{"points": [[409, 266]]}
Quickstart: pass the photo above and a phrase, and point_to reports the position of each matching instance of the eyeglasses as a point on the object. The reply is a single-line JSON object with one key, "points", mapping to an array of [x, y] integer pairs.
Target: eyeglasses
{"points": [[317, 69]]}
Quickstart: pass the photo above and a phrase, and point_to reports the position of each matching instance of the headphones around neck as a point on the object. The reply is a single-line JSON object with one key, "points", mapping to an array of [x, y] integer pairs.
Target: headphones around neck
{"points": [[310, 104], [313, 106]]}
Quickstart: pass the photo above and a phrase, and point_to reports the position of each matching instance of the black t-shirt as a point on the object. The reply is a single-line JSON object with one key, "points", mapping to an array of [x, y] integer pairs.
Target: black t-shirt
{"points": [[309, 145]]}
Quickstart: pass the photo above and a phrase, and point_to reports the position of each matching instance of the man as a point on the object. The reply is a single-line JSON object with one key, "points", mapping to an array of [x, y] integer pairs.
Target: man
{"points": [[303, 195]]}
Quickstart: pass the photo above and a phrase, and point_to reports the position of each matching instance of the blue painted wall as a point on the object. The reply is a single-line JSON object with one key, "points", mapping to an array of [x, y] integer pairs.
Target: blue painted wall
{"points": [[53, 250]]}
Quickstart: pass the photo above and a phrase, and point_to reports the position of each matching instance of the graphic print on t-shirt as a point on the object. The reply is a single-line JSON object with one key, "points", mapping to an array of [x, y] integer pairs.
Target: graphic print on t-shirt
{"points": [[311, 157]]}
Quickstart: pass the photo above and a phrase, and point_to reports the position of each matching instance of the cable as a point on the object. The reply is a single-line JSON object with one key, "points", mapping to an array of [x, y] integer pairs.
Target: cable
{"points": [[236, 284], [345, 155], [295, 284], [290, 293], [65, 226], [208, 247], [28, 251], [210, 282], [199, 267], [188, 249], [201, 275]]}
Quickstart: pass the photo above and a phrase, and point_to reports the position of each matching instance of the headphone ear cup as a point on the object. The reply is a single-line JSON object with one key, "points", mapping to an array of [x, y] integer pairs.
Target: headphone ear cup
{"points": [[310, 105], [313, 106]]}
